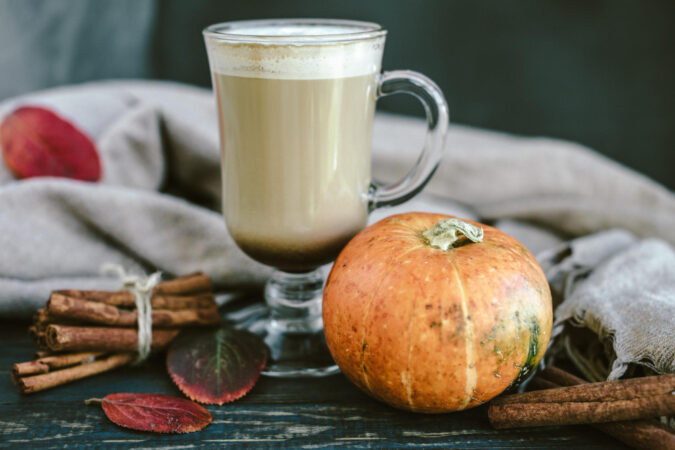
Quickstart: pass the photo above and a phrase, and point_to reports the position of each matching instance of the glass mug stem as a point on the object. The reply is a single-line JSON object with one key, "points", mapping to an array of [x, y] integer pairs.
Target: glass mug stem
{"points": [[294, 329]]}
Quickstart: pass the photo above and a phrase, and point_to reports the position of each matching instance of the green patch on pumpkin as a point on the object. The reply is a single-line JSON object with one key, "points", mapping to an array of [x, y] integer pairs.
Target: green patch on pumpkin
{"points": [[531, 360]]}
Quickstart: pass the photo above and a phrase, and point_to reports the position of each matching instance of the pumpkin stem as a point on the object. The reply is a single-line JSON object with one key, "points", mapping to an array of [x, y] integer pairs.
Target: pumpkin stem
{"points": [[444, 234]]}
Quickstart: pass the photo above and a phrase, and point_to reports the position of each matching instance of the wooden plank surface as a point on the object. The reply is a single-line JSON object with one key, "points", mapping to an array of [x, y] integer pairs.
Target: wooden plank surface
{"points": [[305, 413]]}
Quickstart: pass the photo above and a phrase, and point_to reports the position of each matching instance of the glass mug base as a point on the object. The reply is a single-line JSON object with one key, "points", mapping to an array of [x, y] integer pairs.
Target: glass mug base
{"points": [[294, 327]]}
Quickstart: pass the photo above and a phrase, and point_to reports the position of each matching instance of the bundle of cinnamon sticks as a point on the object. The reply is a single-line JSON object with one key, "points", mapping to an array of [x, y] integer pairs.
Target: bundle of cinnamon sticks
{"points": [[624, 409], [82, 333]]}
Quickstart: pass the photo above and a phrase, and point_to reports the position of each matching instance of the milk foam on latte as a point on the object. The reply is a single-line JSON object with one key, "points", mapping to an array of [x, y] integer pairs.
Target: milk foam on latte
{"points": [[296, 61], [296, 123]]}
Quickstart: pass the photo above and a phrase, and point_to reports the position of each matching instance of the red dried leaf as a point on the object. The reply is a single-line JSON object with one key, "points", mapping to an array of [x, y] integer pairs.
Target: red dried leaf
{"points": [[37, 143], [216, 366], [158, 413]]}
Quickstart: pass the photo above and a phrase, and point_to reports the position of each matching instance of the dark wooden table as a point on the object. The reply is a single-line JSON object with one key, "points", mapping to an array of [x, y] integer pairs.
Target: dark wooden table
{"points": [[304, 413]]}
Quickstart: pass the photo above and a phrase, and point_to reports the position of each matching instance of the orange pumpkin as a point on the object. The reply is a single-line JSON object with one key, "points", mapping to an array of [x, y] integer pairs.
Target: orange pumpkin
{"points": [[430, 325]]}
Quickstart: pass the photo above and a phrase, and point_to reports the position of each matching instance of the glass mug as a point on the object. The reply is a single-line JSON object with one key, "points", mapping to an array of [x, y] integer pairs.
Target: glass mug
{"points": [[296, 100]]}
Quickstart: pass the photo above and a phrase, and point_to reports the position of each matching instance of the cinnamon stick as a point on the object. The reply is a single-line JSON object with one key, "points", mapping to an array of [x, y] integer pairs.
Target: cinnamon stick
{"points": [[42, 318], [605, 391], [35, 383], [38, 335], [608, 401], [187, 284], [185, 317], [644, 434], [158, 301], [40, 321], [69, 308], [191, 284], [106, 339], [515, 415], [48, 363]]}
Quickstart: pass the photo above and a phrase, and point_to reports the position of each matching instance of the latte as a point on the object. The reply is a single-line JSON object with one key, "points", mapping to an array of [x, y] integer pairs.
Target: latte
{"points": [[296, 125]]}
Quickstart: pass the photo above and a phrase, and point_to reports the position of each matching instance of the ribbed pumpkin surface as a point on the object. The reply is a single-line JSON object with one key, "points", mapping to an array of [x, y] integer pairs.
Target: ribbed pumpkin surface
{"points": [[430, 330]]}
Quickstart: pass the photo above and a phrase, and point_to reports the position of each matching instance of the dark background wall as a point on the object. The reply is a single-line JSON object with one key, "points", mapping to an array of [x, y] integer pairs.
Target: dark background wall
{"points": [[599, 72]]}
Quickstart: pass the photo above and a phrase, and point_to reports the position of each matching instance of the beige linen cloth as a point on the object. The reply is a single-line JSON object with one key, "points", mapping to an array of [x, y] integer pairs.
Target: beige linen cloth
{"points": [[157, 205]]}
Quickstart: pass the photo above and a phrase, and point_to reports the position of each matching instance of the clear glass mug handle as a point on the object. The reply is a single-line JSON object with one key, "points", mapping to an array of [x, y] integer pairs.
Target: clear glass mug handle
{"points": [[436, 108]]}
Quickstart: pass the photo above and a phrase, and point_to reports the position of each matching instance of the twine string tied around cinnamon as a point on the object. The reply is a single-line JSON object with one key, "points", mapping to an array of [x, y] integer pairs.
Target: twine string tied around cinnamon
{"points": [[141, 288]]}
